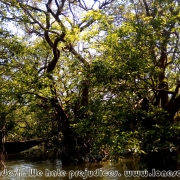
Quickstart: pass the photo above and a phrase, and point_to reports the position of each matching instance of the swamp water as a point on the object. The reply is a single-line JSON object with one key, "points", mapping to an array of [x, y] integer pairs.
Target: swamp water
{"points": [[28, 170]]}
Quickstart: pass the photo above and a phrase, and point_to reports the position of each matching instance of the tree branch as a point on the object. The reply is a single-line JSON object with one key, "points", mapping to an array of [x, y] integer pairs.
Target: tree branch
{"points": [[60, 7], [77, 55], [173, 97], [163, 90], [146, 7], [56, 17], [86, 25], [56, 53]]}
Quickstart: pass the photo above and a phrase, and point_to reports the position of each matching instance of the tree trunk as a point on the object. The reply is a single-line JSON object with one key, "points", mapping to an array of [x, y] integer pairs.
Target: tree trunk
{"points": [[1, 150]]}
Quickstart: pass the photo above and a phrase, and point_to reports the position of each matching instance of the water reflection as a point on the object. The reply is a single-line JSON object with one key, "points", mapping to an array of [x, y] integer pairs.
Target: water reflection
{"points": [[26, 170]]}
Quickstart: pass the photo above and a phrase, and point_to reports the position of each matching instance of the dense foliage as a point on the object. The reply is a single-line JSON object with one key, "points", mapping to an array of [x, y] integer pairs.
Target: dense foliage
{"points": [[93, 79]]}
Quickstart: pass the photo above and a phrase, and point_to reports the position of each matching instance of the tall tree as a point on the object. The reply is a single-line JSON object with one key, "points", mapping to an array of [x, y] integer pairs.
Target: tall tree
{"points": [[141, 66], [64, 26]]}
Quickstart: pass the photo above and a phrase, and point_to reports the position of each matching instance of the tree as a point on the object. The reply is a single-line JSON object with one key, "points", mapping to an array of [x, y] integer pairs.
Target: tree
{"points": [[64, 28], [7, 105], [141, 65], [97, 78]]}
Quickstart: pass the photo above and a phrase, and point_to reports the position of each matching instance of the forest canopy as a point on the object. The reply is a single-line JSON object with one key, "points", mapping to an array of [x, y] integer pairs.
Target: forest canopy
{"points": [[91, 78]]}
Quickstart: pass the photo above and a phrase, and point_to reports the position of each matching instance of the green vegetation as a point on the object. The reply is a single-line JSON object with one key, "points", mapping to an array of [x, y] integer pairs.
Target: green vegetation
{"points": [[94, 80]]}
